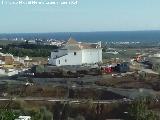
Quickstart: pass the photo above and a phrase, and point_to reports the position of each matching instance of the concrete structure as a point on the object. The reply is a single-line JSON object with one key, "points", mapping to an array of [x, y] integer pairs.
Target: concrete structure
{"points": [[2, 62], [6, 58], [8, 72], [56, 42], [76, 53], [154, 59], [10, 65], [157, 55]]}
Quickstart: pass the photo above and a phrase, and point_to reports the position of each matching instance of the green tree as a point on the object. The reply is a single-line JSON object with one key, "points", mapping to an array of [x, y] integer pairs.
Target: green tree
{"points": [[138, 110], [39, 114], [7, 114], [46, 115]]}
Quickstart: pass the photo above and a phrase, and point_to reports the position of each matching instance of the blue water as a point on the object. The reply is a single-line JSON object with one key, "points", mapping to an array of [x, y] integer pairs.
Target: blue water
{"points": [[136, 36]]}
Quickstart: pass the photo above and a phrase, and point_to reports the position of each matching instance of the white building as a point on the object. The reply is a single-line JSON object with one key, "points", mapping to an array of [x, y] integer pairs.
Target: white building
{"points": [[157, 55], [23, 118], [76, 53]]}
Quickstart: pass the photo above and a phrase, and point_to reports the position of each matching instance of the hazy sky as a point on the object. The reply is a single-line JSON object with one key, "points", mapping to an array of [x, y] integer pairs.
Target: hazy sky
{"points": [[87, 15]]}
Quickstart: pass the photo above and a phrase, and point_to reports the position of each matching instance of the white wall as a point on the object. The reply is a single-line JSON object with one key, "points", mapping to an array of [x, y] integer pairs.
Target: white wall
{"points": [[2, 62], [59, 53], [2, 72], [69, 59], [52, 61], [85, 56], [90, 56]]}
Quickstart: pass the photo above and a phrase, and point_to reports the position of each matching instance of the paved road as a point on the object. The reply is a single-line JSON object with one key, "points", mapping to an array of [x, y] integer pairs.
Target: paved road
{"points": [[78, 101]]}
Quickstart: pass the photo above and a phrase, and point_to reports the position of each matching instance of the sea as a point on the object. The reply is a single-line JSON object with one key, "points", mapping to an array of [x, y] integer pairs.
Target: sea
{"points": [[109, 36]]}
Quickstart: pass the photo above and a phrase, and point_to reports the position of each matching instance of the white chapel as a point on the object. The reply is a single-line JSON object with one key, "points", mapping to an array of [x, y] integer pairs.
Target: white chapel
{"points": [[76, 53]]}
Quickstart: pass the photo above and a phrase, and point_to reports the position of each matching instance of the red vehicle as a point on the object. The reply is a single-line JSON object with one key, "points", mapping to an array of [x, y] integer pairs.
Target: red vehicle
{"points": [[107, 69]]}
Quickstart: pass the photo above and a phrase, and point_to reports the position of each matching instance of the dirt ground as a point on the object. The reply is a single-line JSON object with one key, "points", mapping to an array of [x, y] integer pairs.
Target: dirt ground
{"points": [[150, 81]]}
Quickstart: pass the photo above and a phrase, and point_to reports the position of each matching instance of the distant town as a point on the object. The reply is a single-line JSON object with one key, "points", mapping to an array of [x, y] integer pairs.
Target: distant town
{"points": [[47, 74]]}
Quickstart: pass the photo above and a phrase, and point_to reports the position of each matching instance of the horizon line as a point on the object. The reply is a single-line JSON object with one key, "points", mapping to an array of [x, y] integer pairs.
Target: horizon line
{"points": [[78, 31]]}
